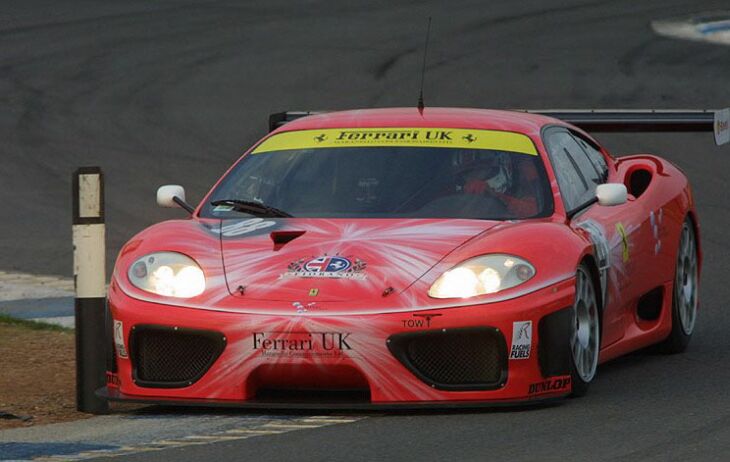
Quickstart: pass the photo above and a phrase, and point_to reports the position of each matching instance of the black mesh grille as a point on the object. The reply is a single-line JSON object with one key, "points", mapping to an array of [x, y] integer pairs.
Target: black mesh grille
{"points": [[459, 359], [167, 357]]}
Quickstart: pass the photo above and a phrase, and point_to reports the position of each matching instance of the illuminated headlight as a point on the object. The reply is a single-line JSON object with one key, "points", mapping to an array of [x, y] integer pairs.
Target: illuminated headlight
{"points": [[170, 274], [486, 274]]}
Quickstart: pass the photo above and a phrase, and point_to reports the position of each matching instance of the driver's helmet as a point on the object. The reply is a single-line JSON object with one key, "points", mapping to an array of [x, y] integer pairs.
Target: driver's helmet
{"points": [[493, 168]]}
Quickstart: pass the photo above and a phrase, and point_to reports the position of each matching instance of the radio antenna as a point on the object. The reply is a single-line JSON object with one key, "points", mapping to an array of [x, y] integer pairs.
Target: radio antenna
{"points": [[423, 68]]}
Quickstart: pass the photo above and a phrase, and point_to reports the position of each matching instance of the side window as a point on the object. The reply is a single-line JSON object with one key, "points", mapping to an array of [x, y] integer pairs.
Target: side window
{"points": [[577, 176], [595, 156]]}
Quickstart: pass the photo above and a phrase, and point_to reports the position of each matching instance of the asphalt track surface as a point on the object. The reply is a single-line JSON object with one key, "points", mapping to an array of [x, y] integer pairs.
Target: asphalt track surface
{"points": [[173, 91]]}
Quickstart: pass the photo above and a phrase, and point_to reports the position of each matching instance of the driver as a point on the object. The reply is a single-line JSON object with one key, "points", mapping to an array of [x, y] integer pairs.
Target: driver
{"points": [[493, 175]]}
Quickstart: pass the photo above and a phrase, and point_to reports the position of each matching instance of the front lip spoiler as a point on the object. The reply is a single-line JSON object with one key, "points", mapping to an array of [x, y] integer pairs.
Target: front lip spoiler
{"points": [[116, 396]]}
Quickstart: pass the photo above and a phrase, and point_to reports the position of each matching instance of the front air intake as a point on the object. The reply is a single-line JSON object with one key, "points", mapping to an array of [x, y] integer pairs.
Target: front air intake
{"points": [[470, 358], [171, 357]]}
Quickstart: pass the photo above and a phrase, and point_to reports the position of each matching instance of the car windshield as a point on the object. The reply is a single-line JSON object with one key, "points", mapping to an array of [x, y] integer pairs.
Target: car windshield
{"points": [[387, 180]]}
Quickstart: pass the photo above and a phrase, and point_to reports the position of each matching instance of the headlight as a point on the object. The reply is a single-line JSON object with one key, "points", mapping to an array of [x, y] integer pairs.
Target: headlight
{"points": [[168, 273], [486, 274]]}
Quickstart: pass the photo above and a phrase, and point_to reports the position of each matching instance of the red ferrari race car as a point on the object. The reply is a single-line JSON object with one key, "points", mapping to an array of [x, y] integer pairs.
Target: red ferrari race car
{"points": [[393, 257]]}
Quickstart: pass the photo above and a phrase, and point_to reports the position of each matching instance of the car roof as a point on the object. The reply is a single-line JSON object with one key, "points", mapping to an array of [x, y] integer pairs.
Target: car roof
{"points": [[485, 119]]}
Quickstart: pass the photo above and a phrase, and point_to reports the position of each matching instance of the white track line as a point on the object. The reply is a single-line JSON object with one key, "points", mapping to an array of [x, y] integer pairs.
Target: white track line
{"points": [[19, 286]]}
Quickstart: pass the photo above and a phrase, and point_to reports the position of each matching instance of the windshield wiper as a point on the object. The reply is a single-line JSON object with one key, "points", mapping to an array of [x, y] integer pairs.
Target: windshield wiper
{"points": [[252, 207]]}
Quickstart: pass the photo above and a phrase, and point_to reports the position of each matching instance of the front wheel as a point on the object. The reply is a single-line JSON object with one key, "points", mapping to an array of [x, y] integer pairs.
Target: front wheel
{"points": [[684, 292], [585, 341]]}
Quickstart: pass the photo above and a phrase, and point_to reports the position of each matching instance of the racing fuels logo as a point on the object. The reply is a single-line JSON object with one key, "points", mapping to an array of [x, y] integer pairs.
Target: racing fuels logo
{"points": [[301, 344], [553, 385], [521, 340], [335, 267], [119, 339]]}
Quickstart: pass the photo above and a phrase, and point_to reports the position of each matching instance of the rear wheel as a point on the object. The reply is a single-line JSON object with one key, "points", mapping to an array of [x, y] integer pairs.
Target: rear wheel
{"points": [[684, 292], [585, 341]]}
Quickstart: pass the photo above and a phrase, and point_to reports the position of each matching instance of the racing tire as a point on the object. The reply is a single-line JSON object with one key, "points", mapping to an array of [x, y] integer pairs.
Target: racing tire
{"points": [[585, 341], [684, 293]]}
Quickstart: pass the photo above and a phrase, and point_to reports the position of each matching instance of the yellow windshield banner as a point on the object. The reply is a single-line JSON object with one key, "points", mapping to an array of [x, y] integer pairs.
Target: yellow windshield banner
{"points": [[399, 137]]}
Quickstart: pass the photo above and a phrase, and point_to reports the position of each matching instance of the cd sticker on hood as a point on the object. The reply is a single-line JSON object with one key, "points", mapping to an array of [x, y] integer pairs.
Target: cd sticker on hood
{"points": [[333, 267]]}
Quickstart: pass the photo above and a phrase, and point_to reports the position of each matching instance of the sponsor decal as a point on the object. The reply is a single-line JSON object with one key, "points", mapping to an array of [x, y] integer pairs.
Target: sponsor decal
{"points": [[119, 339], [327, 265], [553, 385], [395, 134], [313, 292], [600, 242], [334, 267], [624, 241], [656, 219], [112, 379], [420, 321], [521, 340], [601, 247], [302, 344], [301, 308], [399, 137]]}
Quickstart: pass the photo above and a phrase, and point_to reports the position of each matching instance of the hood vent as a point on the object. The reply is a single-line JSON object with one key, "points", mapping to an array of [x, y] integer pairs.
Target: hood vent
{"points": [[281, 238]]}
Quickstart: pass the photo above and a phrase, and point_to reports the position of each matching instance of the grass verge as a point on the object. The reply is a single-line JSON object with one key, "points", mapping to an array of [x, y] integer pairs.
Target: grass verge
{"points": [[32, 325], [37, 373]]}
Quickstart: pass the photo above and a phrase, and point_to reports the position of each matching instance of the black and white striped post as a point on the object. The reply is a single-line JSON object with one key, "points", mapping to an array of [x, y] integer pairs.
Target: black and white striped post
{"points": [[89, 281]]}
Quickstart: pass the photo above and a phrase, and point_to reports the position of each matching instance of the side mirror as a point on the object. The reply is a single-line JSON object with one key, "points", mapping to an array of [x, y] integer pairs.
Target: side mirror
{"points": [[173, 195], [611, 194], [166, 195]]}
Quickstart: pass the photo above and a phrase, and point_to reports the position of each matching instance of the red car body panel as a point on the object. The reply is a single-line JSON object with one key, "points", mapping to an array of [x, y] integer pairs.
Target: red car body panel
{"points": [[345, 328]]}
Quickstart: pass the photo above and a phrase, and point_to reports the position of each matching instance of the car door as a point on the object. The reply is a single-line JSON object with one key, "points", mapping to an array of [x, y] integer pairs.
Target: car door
{"points": [[579, 168]]}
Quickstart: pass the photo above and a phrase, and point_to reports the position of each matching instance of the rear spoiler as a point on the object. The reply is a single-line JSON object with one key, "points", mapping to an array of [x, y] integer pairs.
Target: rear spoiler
{"points": [[606, 120], [278, 119]]}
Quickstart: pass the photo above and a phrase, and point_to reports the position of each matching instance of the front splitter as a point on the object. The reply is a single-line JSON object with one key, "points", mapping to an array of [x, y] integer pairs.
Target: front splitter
{"points": [[542, 401]]}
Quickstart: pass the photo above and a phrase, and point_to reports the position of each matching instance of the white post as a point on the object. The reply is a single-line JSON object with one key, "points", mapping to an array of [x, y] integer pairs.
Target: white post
{"points": [[89, 281]]}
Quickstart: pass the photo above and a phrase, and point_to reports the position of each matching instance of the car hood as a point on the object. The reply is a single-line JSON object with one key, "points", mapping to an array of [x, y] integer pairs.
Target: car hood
{"points": [[335, 260]]}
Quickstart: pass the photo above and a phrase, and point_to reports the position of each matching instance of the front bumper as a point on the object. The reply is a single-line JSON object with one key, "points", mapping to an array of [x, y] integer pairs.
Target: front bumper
{"points": [[254, 354]]}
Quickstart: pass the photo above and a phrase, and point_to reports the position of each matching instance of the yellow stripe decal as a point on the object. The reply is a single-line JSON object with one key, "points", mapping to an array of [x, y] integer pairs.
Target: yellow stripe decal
{"points": [[399, 137]]}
